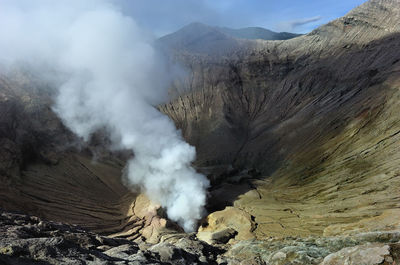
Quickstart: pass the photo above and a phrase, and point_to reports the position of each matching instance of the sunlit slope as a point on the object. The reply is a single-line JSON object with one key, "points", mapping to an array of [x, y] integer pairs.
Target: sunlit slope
{"points": [[317, 115]]}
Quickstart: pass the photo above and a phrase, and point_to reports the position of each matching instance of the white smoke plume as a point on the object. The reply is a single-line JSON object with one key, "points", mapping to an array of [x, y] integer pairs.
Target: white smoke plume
{"points": [[111, 77]]}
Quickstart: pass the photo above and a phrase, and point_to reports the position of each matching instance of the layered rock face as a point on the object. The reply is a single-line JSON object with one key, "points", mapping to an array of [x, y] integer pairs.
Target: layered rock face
{"points": [[316, 116], [300, 139], [47, 171]]}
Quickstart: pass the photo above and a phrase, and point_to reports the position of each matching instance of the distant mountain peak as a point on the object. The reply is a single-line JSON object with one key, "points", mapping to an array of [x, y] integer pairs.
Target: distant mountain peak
{"points": [[241, 33], [258, 33], [201, 38]]}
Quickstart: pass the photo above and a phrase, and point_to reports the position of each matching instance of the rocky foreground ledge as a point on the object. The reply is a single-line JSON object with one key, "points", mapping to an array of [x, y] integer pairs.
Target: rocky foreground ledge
{"points": [[28, 240]]}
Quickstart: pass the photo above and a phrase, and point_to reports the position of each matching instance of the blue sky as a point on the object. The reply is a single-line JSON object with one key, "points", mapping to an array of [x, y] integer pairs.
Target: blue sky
{"points": [[165, 16]]}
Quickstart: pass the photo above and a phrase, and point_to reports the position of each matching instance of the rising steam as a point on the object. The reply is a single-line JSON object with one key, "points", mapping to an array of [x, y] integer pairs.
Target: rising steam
{"points": [[110, 76]]}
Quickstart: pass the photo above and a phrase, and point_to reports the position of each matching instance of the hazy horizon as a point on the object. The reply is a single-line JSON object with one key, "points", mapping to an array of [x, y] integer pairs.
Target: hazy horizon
{"points": [[279, 16]]}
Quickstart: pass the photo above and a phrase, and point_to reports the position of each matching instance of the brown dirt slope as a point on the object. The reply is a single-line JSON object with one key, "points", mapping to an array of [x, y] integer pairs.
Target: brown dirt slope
{"points": [[318, 115]]}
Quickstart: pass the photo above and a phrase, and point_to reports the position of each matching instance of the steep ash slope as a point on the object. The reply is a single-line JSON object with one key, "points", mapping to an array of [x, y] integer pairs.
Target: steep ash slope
{"points": [[318, 114], [41, 172], [47, 171]]}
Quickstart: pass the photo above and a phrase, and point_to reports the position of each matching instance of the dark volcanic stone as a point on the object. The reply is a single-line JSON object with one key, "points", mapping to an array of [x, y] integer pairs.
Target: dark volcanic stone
{"points": [[27, 239]]}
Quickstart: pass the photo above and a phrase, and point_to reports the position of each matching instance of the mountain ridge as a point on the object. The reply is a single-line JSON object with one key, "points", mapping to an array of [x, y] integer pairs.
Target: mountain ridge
{"points": [[258, 33], [204, 39]]}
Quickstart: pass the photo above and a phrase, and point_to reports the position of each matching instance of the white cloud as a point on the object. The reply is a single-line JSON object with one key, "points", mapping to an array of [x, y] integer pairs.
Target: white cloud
{"points": [[293, 25]]}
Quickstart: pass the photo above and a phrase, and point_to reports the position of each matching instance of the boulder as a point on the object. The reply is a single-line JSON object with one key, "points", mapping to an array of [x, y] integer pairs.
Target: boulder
{"points": [[223, 225], [217, 237], [368, 254]]}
